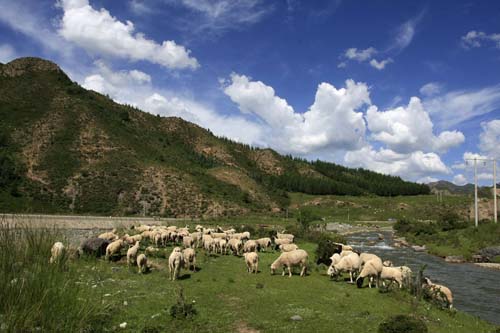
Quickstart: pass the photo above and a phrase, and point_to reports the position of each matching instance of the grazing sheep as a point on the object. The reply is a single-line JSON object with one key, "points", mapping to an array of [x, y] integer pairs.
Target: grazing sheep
{"points": [[364, 257], [439, 292], [335, 258], [209, 245], [387, 263], [93, 246], [289, 259], [372, 269], [175, 262], [111, 236], [57, 252], [114, 248], [264, 243], [132, 253], [199, 228], [187, 241], [349, 263], [285, 236], [222, 245], [250, 246], [345, 253], [279, 242], [150, 250], [143, 228], [189, 258], [142, 263], [197, 236], [235, 245], [288, 247], [252, 261], [219, 235], [394, 274]]}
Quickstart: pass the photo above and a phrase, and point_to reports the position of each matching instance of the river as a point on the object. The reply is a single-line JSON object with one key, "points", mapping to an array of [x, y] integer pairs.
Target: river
{"points": [[476, 290]]}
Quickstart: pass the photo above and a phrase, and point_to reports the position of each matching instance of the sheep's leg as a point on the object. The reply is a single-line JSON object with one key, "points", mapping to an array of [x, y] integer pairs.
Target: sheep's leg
{"points": [[290, 271], [256, 268], [350, 275]]}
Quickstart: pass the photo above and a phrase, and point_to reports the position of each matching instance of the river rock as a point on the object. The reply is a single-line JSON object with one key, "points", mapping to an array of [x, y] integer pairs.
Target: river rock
{"points": [[418, 248], [94, 246], [490, 252], [454, 259], [296, 318]]}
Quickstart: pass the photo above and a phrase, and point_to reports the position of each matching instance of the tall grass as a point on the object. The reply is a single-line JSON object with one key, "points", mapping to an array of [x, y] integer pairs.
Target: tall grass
{"points": [[36, 295]]}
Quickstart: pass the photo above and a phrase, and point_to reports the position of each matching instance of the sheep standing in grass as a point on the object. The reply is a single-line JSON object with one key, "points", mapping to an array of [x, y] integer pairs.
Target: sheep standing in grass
{"points": [[209, 244], [189, 258], [288, 247], [142, 263], [438, 292], [252, 261], [335, 258], [264, 243], [175, 262], [132, 253], [289, 259], [285, 236], [393, 274], [235, 245], [57, 252], [372, 269], [187, 241], [114, 248], [151, 250], [250, 246], [222, 245], [111, 236], [279, 242], [349, 263]]}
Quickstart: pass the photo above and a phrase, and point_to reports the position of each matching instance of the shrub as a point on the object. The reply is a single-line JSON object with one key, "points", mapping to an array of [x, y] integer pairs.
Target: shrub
{"points": [[402, 324], [181, 309], [449, 220], [327, 246], [305, 217]]}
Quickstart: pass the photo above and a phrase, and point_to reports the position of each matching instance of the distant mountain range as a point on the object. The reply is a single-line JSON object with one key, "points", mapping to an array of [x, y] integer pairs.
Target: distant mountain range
{"points": [[467, 189], [64, 149]]}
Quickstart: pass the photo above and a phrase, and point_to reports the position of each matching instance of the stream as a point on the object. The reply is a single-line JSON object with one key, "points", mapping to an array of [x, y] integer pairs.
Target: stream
{"points": [[476, 290]]}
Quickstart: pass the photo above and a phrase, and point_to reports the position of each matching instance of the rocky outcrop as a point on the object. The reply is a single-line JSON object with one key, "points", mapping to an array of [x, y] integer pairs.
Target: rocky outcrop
{"points": [[20, 66]]}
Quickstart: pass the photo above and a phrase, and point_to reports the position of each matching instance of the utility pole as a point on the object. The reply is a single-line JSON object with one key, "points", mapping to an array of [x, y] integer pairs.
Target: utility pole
{"points": [[495, 190], [476, 213]]}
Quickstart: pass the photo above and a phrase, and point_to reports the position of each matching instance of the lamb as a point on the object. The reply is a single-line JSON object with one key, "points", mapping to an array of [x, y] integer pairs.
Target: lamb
{"points": [[114, 248], [187, 241], [349, 263], [288, 247], [132, 253], [235, 245], [394, 274], [372, 269], [285, 236], [57, 252], [175, 262], [189, 258], [289, 259], [264, 243], [142, 263], [439, 292], [250, 246], [252, 261]]}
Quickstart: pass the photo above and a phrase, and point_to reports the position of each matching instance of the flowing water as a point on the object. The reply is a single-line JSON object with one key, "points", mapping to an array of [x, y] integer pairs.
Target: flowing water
{"points": [[476, 290]]}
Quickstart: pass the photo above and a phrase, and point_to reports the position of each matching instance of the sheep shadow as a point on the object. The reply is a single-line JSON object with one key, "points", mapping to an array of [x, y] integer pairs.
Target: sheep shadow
{"points": [[184, 276]]}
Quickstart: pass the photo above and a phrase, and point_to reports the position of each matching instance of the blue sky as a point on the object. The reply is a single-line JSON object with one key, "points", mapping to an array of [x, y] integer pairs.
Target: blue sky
{"points": [[405, 88]]}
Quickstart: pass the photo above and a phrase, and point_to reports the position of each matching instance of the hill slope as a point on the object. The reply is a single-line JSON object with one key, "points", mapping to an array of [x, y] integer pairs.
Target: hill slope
{"points": [[467, 189], [66, 149]]}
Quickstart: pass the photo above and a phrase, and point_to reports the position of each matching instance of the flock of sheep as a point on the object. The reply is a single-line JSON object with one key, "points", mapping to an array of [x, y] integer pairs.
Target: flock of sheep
{"points": [[219, 241]]}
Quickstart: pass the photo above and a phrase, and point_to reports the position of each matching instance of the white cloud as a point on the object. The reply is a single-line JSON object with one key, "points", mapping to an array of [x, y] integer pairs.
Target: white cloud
{"points": [[100, 33], [406, 129], [331, 121], [414, 165], [489, 139], [380, 64], [475, 39], [361, 55], [405, 33], [456, 107], [430, 89], [459, 180], [484, 176], [7, 53], [427, 180]]}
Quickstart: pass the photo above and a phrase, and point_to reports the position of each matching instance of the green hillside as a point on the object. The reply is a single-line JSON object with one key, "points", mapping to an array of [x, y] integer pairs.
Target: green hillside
{"points": [[64, 149]]}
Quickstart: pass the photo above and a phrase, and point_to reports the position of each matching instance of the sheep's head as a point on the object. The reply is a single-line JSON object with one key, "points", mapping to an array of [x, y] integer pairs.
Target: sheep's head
{"points": [[331, 271], [274, 267], [387, 263]]}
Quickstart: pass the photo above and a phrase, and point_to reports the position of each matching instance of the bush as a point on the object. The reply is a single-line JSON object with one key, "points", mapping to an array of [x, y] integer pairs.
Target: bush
{"points": [[402, 324], [181, 309], [449, 220], [327, 247], [305, 217]]}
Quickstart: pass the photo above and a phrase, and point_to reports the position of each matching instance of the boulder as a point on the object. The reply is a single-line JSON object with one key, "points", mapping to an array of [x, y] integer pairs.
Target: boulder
{"points": [[454, 259], [94, 246], [490, 252], [418, 248]]}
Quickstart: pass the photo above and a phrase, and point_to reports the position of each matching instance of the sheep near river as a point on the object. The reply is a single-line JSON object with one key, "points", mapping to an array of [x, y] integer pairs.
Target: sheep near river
{"points": [[349, 263], [175, 262], [252, 261], [438, 292], [132, 253], [289, 259], [114, 248], [371, 269], [142, 263], [57, 252]]}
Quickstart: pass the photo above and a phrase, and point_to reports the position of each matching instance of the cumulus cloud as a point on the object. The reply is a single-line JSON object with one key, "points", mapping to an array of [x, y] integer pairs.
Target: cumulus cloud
{"points": [[406, 129], [459, 179], [380, 64], [331, 121], [360, 55], [414, 165], [100, 33], [489, 139], [475, 39], [430, 89], [456, 107], [7, 53], [427, 180]]}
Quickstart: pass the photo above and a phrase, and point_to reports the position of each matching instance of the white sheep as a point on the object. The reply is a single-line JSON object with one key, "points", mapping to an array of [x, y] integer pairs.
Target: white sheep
{"points": [[250, 246], [235, 245], [152, 250], [345, 253], [279, 242], [222, 245], [335, 258], [142, 263], [114, 248], [252, 261], [110, 236], [349, 263], [187, 241], [209, 244], [285, 236], [189, 258], [132, 253], [394, 274], [289, 259], [372, 269], [264, 243], [175, 262], [57, 252], [288, 247], [387, 263], [439, 292]]}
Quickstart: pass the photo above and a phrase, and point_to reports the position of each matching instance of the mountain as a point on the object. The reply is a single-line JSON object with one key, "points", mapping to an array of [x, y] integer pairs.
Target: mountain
{"points": [[64, 149], [467, 189]]}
